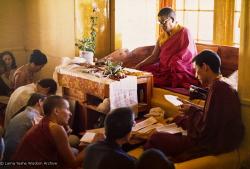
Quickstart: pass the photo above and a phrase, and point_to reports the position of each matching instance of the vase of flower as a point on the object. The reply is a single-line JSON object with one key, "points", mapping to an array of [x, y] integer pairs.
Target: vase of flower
{"points": [[87, 45], [87, 55]]}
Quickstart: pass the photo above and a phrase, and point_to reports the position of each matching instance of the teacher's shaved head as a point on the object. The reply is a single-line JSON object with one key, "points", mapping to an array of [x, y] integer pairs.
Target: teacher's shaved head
{"points": [[168, 12]]}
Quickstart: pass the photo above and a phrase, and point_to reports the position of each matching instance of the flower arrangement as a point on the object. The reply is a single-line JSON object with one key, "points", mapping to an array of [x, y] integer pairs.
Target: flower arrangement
{"points": [[114, 70], [89, 43]]}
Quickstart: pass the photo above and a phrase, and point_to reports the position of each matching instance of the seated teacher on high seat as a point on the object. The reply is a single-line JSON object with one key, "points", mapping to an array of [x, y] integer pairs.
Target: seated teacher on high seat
{"points": [[171, 59]]}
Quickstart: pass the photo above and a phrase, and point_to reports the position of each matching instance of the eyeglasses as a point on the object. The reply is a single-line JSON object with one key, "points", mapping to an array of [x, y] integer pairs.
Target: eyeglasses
{"points": [[163, 22]]}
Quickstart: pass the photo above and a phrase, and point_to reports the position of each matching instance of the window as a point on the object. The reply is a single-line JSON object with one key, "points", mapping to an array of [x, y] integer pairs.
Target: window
{"points": [[198, 16], [237, 8], [135, 22]]}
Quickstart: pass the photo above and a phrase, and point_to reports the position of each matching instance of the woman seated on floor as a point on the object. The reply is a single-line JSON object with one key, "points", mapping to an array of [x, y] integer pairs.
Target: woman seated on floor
{"points": [[4, 89], [8, 58]]}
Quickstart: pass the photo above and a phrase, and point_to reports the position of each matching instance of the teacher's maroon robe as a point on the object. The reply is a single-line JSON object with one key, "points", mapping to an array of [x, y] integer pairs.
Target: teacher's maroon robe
{"points": [[174, 68], [216, 129]]}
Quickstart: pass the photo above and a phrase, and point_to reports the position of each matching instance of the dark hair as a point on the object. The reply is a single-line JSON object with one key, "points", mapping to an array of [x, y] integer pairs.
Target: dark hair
{"points": [[13, 65], [168, 12], [49, 83], [154, 158], [38, 58], [118, 123], [51, 103], [34, 98], [210, 58], [2, 64]]}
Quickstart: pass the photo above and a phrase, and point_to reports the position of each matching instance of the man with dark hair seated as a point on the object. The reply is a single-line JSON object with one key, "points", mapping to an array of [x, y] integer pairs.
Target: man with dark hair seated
{"points": [[154, 159], [21, 123], [25, 74], [215, 129], [19, 98], [108, 154]]}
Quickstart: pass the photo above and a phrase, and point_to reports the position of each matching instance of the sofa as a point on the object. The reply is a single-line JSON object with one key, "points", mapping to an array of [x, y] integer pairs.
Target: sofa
{"points": [[229, 58]]}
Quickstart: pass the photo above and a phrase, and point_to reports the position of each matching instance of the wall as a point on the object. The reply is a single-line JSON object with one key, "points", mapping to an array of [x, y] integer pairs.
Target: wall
{"points": [[49, 26], [130, 26], [12, 28]]}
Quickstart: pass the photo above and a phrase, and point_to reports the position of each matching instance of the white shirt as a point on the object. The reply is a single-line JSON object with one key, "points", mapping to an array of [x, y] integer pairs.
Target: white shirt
{"points": [[18, 99]]}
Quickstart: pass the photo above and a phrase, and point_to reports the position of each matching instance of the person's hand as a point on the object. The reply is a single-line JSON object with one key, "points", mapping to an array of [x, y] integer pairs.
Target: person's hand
{"points": [[184, 107]]}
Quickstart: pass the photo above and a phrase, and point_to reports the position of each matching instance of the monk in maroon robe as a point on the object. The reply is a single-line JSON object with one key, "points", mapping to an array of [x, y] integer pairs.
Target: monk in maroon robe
{"points": [[171, 60], [47, 143], [217, 128]]}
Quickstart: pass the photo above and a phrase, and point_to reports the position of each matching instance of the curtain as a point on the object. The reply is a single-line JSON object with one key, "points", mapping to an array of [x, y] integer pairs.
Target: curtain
{"points": [[223, 22], [167, 3], [244, 78], [244, 59]]}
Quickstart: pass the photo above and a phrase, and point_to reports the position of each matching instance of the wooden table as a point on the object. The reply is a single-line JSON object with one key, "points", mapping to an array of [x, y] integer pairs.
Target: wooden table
{"points": [[83, 90]]}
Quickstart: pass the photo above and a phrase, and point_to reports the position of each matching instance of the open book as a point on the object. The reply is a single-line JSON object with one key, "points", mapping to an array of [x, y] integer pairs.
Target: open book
{"points": [[151, 123], [172, 129], [90, 135]]}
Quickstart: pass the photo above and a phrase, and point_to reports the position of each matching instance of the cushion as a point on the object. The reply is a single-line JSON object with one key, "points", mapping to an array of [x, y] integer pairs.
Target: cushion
{"points": [[229, 59], [158, 100], [182, 91], [130, 59], [200, 47], [232, 80], [137, 55], [118, 55], [223, 161]]}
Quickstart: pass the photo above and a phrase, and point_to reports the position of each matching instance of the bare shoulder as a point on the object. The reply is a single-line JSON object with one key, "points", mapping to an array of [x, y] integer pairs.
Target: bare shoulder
{"points": [[57, 131]]}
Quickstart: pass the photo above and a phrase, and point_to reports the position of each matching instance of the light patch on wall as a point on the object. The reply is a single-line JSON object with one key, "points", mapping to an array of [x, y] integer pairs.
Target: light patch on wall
{"points": [[135, 22]]}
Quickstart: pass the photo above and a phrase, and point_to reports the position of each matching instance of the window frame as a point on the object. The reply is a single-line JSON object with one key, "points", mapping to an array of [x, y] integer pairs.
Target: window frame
{"points": [[235, 12], [198, 11]]}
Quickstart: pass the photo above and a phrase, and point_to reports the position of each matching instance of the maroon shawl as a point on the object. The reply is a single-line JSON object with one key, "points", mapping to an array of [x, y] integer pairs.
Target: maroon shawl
{"points": [[216, 129], [219, 126], [38, 145], [174, 68]]}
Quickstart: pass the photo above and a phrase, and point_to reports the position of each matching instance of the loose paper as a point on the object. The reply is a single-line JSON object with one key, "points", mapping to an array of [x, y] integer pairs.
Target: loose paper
{"points": [[173, 99], [149, 128], [149, 121], [123, 93], [171, 128]]}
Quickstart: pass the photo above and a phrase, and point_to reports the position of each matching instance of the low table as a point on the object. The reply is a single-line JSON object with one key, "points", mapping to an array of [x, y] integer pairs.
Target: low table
{"points": [[82, 87]]}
